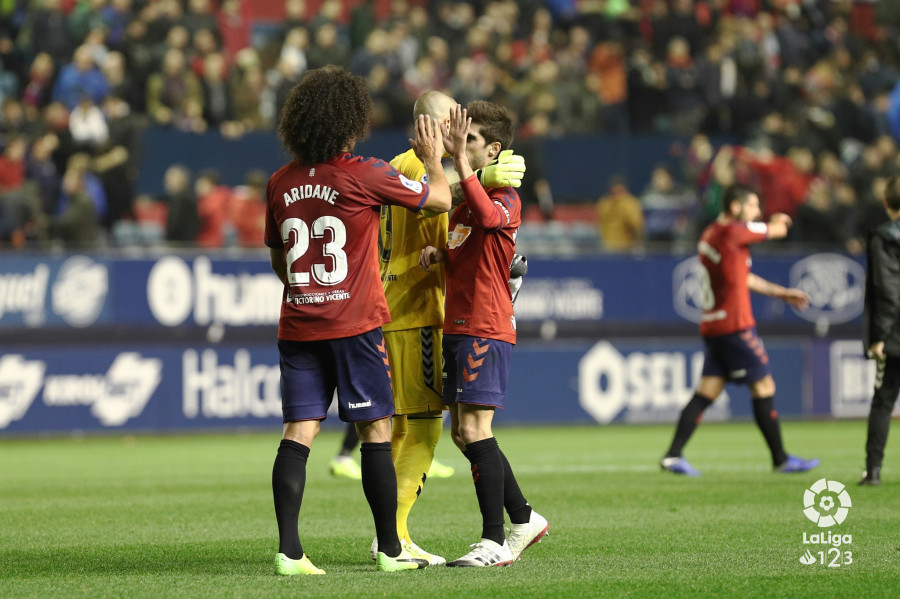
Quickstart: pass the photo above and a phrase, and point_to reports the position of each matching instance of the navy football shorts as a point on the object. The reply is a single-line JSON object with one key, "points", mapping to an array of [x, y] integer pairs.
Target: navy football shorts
{"points": [[737, 357], [475, 370], [356, 366]]}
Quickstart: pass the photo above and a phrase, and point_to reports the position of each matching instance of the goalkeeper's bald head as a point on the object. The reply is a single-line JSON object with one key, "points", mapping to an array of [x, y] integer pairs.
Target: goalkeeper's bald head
{"points": [[435, 104]]}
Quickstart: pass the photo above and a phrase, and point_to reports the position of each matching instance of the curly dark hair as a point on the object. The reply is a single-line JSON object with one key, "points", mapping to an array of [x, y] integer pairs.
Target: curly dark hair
{"points": [[497, 123], [324, 114]]}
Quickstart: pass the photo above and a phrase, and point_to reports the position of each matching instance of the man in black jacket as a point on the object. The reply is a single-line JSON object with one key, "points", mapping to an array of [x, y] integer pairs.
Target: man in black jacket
{"points": [[881, 329]]}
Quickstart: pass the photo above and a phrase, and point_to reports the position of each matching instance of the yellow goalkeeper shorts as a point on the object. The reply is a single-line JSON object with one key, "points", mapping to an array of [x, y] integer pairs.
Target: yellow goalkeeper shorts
{"points": [[416, 366]]}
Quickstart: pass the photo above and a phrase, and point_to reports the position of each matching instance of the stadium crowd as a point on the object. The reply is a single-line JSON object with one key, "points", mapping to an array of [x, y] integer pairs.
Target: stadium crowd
{"points": [[799, 98]]}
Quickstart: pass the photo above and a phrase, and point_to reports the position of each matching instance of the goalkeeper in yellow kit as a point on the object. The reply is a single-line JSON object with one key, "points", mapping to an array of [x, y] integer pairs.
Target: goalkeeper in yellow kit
{"points": [[413, 337]]}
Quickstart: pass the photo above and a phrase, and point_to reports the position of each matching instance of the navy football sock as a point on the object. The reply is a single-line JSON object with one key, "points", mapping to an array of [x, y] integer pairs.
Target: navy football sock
{"points": [[288, 481], [767, 420], [687, 423], [488, 476], [513, 500], [379, 481]]}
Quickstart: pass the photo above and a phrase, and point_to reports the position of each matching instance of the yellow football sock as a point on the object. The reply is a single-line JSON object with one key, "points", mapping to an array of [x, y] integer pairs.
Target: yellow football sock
{"points": [[398, 434], [412, 463]]}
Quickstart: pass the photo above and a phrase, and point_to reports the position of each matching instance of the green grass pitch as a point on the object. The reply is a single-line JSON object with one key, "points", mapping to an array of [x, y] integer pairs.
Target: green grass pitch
{"points": [[192, 516]]}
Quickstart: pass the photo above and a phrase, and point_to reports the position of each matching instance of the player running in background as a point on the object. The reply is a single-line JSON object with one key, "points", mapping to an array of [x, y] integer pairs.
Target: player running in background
{"points": [[413, 337], [322, 229], [733, 351], [479, 329]]}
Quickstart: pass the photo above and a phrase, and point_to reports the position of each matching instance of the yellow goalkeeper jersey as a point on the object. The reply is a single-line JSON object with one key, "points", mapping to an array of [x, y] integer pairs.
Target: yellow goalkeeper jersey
{"points": [[415, 298]]}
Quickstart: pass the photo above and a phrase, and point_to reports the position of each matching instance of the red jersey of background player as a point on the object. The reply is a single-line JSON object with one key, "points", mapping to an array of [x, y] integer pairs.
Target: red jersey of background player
{"points": [[478, 301], [326, 216], [725, 256]]}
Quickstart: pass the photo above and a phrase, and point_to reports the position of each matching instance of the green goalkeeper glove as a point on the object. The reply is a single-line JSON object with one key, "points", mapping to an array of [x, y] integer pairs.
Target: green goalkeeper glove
{"points": [[505, 171]]}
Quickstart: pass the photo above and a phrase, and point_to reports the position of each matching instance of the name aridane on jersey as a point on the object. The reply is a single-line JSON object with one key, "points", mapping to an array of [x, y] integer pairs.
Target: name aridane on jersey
{"points": [[325, 218], [322, 192]]}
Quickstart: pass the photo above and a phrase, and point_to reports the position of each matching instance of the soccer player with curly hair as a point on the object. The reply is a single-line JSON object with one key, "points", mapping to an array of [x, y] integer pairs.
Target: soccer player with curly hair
{"points": [[322, 217]]}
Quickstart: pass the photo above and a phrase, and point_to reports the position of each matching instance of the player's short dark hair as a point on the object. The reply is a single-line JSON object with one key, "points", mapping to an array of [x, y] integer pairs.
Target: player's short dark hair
{"points": [[496, 122], [324, 114], [737, 192], [892, 194]]}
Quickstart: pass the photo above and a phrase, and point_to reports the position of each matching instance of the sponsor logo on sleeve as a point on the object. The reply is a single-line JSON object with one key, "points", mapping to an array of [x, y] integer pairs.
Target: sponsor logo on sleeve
{"points": [[458, 236], [415, 186]]}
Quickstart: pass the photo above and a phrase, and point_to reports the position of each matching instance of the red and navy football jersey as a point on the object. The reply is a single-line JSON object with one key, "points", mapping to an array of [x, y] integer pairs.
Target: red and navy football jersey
{"points": [[479, 302], [725, 256], [326, 218]]}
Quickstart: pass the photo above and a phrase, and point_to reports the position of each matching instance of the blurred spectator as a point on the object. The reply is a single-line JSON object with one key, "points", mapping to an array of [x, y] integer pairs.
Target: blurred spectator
{"points": [[80, 78], [681, 89], [535, 189], [620, 220], [248, 209], [646, 82], [88, 125], [668, 209], [56, 120], [200, 17], [213, 209], [183, 221], [819, 220], [607, 65], [116, 16], [12, 164], [15, 120], [39, 88], [78, 180], [13, 63], [293, 52], [96, 41], [327, 49], [203, 44], [218, 97], [162, 17], [279, 82], [783, 181], [46, 30], [235, 23], [40, 168], [76, 224], [139, 59], [170, 92], [250, 90], [121, 84]]}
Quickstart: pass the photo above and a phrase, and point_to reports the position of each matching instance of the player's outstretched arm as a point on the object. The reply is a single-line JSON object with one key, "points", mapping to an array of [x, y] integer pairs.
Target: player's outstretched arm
{"points": [[429, 149], [794, 297], [779, 225]]}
